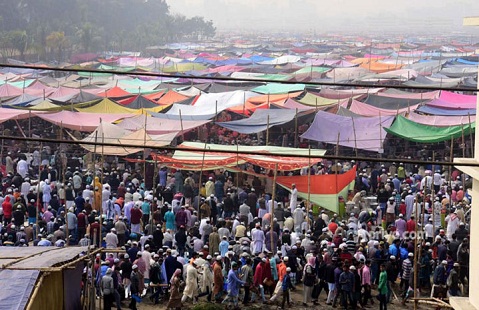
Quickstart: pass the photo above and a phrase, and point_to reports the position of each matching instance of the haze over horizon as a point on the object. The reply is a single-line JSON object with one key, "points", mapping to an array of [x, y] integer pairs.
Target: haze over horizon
{"points": [[371, 16]]}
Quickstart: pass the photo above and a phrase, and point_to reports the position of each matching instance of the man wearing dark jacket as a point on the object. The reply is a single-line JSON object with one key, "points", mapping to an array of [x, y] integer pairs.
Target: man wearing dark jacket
{"points": [[135, 287]]}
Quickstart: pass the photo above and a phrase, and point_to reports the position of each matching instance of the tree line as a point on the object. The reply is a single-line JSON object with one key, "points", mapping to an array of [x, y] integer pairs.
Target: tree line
{"points": [[52, 30]]}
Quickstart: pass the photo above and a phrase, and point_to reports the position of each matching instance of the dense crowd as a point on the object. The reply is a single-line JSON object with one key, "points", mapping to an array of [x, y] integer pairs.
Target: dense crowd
{"points": [[188, 236]]}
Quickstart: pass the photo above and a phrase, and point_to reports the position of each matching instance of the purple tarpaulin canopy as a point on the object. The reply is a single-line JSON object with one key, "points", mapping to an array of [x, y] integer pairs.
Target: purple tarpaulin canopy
{"points": [[365, 133]]}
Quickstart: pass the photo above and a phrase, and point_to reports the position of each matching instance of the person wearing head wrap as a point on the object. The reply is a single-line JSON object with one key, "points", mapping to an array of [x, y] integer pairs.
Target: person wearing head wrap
{"points": [[175, 297]]}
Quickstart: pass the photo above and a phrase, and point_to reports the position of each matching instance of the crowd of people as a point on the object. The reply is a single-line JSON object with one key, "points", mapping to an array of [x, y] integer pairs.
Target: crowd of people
{"points": [[188, 236]]}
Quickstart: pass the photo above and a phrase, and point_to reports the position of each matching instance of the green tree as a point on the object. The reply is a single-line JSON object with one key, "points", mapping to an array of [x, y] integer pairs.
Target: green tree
{"points": [[57, 41]]}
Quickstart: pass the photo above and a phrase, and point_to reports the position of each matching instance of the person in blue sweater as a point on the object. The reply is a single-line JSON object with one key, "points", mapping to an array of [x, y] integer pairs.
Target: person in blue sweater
{"points": [[286, 286]]}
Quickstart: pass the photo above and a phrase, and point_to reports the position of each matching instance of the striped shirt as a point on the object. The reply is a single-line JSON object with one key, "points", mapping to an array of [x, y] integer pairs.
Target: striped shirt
{"points": [[406, 269]]}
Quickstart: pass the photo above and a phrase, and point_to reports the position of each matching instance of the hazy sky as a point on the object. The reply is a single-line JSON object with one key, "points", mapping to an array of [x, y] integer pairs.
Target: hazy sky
{"points": [[340, 15]]}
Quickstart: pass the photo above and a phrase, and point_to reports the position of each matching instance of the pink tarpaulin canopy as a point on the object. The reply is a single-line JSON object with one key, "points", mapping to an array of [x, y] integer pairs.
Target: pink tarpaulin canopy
{"points": [[346, 93], [440, 121], [9, 91], [394, 93], [81, 121], [8, 114], [64, 92], [365, 109], [457, 98], [439, 103]]}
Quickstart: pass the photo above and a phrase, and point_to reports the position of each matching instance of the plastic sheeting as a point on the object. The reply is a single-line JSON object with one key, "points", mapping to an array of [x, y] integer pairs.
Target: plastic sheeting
{"points": [[441, 121], [445, 112], [364, 109], [81, 121], [274, 88], [391, 103], [365, 133], [260, 121], [157, 126], [457, 98], [17, 286], [395, 93]]}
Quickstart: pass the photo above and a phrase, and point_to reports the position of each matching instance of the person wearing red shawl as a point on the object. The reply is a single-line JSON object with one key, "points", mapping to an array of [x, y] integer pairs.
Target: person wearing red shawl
{"points": [[260, 275]]}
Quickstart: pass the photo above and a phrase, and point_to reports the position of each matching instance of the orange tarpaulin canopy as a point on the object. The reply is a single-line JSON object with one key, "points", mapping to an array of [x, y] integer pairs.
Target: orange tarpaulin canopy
{"points": [[380, 67], [171, 97], [115, 92], [262, 102]]}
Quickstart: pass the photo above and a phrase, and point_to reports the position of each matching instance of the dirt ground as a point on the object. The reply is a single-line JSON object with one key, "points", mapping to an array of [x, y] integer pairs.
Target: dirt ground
{"points": [[297, 304]]}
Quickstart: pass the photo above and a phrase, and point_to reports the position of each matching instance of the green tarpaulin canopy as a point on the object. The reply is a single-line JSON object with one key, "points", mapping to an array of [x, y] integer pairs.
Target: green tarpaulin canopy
{"points": [[416, 132], [275, 88]]}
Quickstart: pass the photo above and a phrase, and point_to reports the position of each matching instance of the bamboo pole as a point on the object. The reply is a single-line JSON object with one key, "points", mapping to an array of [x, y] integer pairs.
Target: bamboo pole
{"points": [[267, 131], [181, 124], [296, 128], [101, 186], [273, 197], [308, 205], [200, 183], [38, 193], [470, 135], [355, 141], [36, 289]]}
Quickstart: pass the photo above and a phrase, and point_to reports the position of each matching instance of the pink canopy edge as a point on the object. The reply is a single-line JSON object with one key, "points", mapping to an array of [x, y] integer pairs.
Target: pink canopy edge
{"points": [[457, 98], [440, 121], [81, 121], [8, 114], [403, 95], [365, 109]]}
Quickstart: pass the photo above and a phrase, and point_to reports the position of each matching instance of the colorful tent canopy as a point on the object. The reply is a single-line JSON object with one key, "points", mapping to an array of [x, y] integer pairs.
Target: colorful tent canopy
{"points": [[365, 133], [106, 106], [324, 190], [192, 157], [412, 131]]}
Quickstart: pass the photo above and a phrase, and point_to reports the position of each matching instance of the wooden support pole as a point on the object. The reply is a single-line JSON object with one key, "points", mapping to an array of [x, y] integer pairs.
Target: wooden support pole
{"points": [[273, 197]]}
